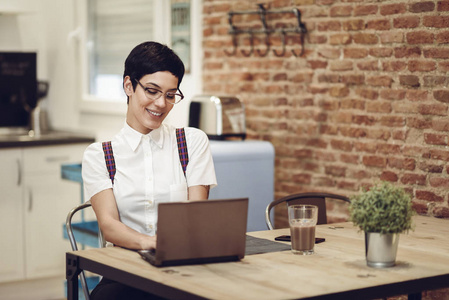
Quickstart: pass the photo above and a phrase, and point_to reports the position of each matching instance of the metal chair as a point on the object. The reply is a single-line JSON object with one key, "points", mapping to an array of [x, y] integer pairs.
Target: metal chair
{"points": [[318, 199], [71, 237]]}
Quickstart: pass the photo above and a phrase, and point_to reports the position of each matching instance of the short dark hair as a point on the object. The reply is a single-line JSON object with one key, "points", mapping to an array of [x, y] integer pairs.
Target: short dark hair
{"points": [[151, 57]]}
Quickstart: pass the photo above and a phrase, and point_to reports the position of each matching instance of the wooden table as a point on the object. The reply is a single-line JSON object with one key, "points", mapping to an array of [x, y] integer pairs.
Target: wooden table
{"points": [[337, 271]]}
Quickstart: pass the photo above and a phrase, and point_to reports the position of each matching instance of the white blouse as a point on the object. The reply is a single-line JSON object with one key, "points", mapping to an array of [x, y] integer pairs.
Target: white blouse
{"points": [[148, 172]]}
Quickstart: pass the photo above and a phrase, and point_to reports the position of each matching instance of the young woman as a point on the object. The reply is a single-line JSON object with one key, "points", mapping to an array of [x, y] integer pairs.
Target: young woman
{"points": [[148, 170]]}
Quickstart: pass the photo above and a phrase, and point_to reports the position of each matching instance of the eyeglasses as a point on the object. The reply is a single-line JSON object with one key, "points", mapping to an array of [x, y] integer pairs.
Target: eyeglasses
{"points": [[154, 94]]}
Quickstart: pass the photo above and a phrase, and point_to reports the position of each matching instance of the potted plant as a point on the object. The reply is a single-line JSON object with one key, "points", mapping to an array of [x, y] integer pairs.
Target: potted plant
{"points": [[382, 212]]}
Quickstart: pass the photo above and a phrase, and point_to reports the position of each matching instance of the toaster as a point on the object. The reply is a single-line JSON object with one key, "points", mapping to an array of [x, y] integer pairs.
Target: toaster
{"points": [[220, 117]]}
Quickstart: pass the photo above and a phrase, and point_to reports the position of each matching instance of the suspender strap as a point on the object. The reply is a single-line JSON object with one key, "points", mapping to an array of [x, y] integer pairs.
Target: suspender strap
{"points": [[109, 158], [182, 149]]}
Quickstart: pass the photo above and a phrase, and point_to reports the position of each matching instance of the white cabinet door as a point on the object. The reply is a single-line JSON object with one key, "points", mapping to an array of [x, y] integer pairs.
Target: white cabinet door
{"points": [[11, 222], [47, 201]]}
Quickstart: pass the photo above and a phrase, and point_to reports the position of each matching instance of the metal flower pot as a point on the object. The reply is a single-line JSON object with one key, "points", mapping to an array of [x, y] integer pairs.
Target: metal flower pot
{"points": [[381, 249]]}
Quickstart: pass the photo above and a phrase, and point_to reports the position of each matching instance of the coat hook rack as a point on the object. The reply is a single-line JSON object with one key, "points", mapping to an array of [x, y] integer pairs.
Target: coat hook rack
{"points": [[299, 29]]}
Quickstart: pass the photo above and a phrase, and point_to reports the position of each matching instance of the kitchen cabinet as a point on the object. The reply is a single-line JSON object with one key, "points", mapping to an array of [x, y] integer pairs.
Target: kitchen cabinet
{"points": [[34, 204], [11, 218]]}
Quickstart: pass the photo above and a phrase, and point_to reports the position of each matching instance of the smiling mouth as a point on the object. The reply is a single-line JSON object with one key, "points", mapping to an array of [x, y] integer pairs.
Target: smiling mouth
{"points": [[154, 113]]}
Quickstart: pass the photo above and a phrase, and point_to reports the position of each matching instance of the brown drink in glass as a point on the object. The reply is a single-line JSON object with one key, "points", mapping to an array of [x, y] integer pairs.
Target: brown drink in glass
{"points": [[302, 219]]}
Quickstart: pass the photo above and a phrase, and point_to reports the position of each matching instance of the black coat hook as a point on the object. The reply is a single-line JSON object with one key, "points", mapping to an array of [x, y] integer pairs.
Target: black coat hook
{"points": [[283, 46], [251, 41], [234, 48]]}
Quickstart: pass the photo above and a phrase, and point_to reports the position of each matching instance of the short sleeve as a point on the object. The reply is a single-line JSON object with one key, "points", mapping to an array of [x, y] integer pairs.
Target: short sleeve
{"points": [[200, 170], [94, 171]]}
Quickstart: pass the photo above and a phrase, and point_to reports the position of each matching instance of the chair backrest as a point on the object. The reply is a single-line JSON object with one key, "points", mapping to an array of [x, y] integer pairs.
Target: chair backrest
{"points": [[318, 199], [72, 240]]}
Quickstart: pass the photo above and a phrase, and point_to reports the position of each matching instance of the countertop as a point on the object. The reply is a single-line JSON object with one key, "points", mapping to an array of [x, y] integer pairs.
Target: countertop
{"points": [[45, 139]]}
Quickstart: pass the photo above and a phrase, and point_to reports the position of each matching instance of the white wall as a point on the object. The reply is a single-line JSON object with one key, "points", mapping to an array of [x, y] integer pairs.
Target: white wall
{"points": [[45, 28]]}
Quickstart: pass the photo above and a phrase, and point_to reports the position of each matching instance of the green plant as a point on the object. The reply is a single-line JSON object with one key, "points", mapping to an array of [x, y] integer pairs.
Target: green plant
{"points": [[384, 208]]}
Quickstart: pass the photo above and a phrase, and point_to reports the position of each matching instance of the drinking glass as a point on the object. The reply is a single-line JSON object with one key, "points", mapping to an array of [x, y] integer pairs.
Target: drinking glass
{"points": [[302, 219]]}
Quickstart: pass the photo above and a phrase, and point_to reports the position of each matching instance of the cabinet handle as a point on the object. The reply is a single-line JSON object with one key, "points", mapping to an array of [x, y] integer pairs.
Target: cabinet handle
{"points": [[19, 173], [30, 200]]}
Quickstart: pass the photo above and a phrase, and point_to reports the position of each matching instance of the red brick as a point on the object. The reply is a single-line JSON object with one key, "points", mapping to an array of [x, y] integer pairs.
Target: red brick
{"points": [[374, 161], [419, 123], [346, 185], [340, 39], [391, 94], [352, 104], [316, 39], [417, 95], [353, 132], [436, 81], [385, 81], [367, 93], [441, 95], [355, 52], [341, 65], [365, 10], [339, 91], [406, 22], [399, 135], [437, 53], [365, 147], [407, 52], [419, 7], [390, 37], [430, 168], [441, 212], [439, 182], [428, 196], [382, 24], [436, 21], [353, 25], [381, 52], [393, 66], [439, 154], [391, 9], [365, 38], [413, 179], [317, 64], [402, 163], [329, 26], [350, 159], [433, 109], [378, 107], [392, 121], [302, 178], [329, 53], [335, 171], [389, 176], [378, 134], [443, 6], [440, 125], [442, 37], [353, 79], [341, 11], [368, 65], [420, 37], [362, 119], [341, 145], [409, 80], [389, 148], [435, 139], [421, 66], [443, 66]]}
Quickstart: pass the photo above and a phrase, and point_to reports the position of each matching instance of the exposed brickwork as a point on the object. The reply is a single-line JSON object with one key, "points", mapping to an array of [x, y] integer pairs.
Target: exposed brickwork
{"points": [[367, 101]]}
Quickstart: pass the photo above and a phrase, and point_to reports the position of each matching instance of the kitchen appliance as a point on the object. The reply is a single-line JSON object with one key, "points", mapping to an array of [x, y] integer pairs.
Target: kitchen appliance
{"points": [[220, 117]]}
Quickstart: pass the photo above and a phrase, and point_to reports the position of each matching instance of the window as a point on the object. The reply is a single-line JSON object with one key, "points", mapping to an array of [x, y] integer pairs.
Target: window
{"points": [[114, 28]]}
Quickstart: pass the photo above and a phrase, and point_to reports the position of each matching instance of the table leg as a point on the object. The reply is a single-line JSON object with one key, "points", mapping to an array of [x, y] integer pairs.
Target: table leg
{"points": [[72, 272], [416, 296]]}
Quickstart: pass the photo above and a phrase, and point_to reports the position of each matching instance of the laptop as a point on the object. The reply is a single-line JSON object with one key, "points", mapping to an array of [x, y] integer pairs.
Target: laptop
{"points": [[199, 232]]}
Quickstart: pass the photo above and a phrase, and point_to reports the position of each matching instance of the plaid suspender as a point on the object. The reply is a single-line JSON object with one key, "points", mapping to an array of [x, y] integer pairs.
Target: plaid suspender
{"points": [[182, 149], [109, 158]]}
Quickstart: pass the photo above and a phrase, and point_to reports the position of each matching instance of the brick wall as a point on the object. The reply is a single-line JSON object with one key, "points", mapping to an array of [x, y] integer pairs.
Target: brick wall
{"points": [[368, 100]]}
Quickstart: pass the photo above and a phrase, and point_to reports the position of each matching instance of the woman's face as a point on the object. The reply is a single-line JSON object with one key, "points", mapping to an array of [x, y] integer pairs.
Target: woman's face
{"points": [[145, 114]]}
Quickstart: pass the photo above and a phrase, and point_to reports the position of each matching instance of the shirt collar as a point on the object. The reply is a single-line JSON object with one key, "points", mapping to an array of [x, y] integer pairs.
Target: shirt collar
{"points": [[133, 137]]}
